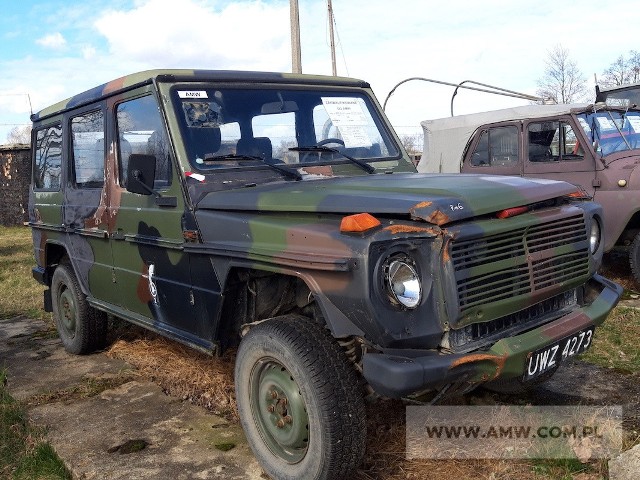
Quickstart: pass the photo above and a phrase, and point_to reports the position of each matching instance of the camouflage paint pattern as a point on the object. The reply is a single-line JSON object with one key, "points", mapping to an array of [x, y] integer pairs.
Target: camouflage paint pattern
{"points": [[187, 271]]}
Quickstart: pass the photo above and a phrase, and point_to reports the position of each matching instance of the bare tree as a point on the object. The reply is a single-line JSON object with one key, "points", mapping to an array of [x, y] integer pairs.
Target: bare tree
{"points": [[622, 71], [563, 82], [634, 66], [617, 73], [19, 135], [412, 143]]}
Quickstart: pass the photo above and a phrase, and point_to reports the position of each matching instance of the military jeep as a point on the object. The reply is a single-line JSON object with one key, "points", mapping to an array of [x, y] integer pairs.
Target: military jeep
{"points": [[279, 214]]}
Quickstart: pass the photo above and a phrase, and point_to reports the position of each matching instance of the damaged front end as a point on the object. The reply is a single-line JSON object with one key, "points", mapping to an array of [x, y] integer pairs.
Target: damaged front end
{"points": [[517, 297]]}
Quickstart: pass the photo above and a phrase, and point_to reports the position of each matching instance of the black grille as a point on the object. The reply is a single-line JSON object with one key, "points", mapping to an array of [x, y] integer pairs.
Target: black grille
{"points": [[478, 335], [522, 261]]}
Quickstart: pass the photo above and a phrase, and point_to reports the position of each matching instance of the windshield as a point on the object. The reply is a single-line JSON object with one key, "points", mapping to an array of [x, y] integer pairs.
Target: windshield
{"points": [[248, 127], [612, 131], [624, 96]]}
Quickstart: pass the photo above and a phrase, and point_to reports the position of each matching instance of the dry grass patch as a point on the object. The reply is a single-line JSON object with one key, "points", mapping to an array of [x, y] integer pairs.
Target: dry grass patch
{"points": [[183, 372], [615, 266], [385, 457]]}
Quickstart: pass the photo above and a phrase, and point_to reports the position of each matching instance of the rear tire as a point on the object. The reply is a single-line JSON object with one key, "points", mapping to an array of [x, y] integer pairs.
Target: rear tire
{"points": [[634, 258], [300, 401], [82, 328]]}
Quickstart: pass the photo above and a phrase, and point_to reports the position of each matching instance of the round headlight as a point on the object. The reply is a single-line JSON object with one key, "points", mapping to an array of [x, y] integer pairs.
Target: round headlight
{"points": [[594, 236], [403, 282]]}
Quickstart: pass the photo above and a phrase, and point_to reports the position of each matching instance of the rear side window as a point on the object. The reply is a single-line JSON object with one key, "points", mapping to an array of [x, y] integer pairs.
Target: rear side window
{"points": [[140, 130], [47, 162], [87, 138]]}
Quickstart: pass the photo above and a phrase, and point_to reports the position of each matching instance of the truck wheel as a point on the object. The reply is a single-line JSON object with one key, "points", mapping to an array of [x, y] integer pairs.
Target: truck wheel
{"points": [[81, 328], [634, 258], [299, 400]]}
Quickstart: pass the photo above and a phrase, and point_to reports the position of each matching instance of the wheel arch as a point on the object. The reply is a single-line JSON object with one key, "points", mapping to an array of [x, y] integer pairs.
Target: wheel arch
{"points": [[254, 294], [54, 252]]}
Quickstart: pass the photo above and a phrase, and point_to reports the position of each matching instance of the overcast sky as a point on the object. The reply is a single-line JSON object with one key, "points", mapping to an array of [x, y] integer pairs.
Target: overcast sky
{"points": [[52, 49]]}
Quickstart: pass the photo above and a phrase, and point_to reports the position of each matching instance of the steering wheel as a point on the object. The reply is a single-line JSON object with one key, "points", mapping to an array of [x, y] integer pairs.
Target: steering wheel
{"points": [[326, 141]]}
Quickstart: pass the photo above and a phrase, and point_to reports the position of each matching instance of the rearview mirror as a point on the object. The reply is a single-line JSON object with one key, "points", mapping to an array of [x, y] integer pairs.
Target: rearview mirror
{"points": [[279, 107]]}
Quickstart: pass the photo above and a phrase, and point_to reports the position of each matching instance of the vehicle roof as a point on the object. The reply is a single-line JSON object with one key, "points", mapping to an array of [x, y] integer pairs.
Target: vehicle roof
{"points": [[619, 88], [133, 80], [446, 138]]}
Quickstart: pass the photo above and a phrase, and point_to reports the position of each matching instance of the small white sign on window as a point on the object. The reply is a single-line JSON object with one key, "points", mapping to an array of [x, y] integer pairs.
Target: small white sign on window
{"points": [[347, 115], [192, 94]]}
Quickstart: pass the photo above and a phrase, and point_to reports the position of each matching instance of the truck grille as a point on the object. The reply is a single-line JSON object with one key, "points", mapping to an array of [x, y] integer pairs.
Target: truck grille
{"points": [[523, 261], [478, 335]]}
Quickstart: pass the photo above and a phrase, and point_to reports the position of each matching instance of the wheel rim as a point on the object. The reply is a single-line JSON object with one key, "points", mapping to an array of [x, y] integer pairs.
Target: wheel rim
{"points": [[67, 312], [279, 410]]}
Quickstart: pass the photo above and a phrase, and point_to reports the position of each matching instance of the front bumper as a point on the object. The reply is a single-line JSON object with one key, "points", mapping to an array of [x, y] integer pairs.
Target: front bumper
{"points": [[402, 372]]}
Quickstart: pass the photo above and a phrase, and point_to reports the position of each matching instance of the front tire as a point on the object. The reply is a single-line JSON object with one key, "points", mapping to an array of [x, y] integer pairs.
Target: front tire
{"points": [[299, 400], [81, 328]]}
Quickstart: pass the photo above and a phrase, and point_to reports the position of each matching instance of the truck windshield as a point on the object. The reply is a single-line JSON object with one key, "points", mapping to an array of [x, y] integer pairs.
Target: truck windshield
{"points": [[248, 127], [612, 130]]}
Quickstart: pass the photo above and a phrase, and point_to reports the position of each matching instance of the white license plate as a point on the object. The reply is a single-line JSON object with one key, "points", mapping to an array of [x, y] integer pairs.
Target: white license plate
{"points": [[549, 357]]}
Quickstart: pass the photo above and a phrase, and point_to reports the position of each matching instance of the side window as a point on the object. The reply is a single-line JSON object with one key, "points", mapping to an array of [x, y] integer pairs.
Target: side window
{"points": [[140, 130], [480, 156], [87, 139], [496, 147], [553, 141], [47, 160]]}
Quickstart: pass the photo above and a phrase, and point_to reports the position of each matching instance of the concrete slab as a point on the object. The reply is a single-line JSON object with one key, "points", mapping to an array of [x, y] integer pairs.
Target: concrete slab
{"points": [[94, 435]]}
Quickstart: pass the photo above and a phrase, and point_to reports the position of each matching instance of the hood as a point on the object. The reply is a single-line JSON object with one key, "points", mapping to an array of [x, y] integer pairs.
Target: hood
{"points": [[434, 198]]}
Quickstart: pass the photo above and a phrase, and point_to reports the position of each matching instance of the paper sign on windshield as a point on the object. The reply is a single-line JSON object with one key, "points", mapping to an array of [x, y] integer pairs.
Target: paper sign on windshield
{"points": [[634, 121], [347, 115]]}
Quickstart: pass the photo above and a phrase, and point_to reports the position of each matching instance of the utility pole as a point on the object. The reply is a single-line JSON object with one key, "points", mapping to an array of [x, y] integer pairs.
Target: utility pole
{"points": [[296, 54], [333, 43]]}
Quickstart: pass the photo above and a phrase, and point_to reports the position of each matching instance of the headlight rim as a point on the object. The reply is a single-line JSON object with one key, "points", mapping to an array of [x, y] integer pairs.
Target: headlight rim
{"points": [[392, 295], [594, 245]]}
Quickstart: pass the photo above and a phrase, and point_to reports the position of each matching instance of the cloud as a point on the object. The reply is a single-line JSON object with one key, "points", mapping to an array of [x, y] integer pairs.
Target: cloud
{"points": [[88, 52], [54, 41], [162, 33]]}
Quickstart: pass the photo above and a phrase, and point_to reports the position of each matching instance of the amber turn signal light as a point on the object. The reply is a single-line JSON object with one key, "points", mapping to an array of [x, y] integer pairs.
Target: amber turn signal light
{"points": [[512, 212], [358, 223]]}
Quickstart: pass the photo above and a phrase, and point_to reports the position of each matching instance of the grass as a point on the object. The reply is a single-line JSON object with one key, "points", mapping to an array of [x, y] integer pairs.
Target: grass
{"points": [[23, 453], [22, 295], [615, 344]]}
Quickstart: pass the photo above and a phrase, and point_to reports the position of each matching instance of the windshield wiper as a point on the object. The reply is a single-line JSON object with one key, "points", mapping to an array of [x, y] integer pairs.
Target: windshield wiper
{"points": [[321, 148], [619, 131], [289, 172]]}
